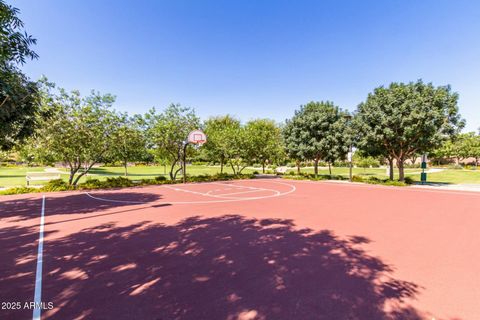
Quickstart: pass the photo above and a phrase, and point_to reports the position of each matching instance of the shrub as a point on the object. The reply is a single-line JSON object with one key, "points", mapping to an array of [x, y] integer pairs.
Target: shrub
{"points": [[367, 162], [120, 182], [18, 190], [413, 166], [455, 166], [199, 163], [387, 182], [56, 185], [91, 184], [409, 180]]}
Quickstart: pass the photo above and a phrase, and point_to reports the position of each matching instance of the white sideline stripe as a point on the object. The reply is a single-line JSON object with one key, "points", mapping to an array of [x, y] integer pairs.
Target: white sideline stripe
{"points": [[37, 312]]}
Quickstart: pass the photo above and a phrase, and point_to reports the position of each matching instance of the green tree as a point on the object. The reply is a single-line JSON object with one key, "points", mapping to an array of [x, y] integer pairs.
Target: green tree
{"points": [[293, 152], [365, 161], [475, 149], [240, 152], [15, 43], [445, 151], [265, 139], [168, 132], [317, 131], [466, 145], [220, 131], [405, 119], [79, 130], [128, 140], [18, 95]]}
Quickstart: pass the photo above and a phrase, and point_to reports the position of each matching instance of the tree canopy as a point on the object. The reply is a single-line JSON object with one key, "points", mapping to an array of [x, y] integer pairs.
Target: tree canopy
{"points": [[79, 130], [265, 141], [168, 131], [317, 131], [128, 140], [18, 95], [404, 119], [221, 133]]}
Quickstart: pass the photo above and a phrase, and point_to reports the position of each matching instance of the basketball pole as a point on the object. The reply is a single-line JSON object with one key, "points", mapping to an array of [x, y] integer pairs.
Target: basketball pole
{"points": [[184, 160], [196, 137]]}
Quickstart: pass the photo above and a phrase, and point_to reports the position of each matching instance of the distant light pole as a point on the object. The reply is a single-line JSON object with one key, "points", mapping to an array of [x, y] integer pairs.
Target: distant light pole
{"points": [[348, 117]]}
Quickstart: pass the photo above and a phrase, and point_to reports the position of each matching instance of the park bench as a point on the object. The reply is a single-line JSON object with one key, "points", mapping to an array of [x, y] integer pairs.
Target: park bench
{"points": [[41, 176], [281, 170]]}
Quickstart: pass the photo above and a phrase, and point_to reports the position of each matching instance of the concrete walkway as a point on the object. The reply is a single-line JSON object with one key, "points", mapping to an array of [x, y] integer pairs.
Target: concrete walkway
{"points": [[456, 187]]}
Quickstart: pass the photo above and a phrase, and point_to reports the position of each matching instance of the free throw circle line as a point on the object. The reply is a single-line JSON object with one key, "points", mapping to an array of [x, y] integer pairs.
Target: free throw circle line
{"points": [[292, 189]]}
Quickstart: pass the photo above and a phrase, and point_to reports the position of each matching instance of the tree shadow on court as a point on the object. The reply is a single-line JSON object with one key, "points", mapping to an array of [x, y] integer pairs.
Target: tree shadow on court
{"points": [[227, 267], [72, 203], [18, 259]]}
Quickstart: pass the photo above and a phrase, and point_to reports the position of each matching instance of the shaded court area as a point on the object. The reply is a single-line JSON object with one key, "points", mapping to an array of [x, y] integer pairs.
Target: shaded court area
{"points": [[250, 249]]}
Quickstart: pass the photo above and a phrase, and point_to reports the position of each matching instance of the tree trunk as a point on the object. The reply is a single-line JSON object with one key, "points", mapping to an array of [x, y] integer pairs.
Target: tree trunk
{"points": [[176, 172], [73, 171], [172, 177], [70, 178], [401, 172], [298, 167], [315, 166], [125, 166], [413, 159], [233, 168], [221, 165], [87, 168], [390, 168], [329, 168], [263, 167]]}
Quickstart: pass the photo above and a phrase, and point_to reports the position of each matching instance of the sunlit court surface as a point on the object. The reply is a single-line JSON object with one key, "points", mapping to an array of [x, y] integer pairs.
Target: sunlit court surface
{"points": [[244, 249]]}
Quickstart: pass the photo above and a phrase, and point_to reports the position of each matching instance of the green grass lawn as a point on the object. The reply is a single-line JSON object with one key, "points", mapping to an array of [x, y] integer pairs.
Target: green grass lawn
{"points": [[15, 176], [343, 171], [452, 176]]}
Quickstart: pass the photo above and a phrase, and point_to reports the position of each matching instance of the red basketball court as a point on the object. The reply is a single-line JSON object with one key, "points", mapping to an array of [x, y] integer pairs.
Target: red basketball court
{"points": [[246, 249]]}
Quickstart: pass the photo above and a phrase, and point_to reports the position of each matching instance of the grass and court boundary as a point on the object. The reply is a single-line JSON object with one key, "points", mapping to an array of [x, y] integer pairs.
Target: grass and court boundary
{"points": [[12, 179], [369, 180], [122, 182], [119, 182]]}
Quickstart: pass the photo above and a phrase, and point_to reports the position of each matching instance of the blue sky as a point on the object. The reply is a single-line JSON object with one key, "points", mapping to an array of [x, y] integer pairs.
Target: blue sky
{"points": [[254, 58]]}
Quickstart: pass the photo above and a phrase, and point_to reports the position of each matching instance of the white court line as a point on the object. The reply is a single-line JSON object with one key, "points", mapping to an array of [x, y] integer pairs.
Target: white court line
{"points": [[208, 194], [245, 187], [378, 186], [241, 192], [292, 189], [37, 311]]}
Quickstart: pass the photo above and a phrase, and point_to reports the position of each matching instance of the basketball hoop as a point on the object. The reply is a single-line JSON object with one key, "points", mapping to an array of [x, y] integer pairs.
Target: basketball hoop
{"points": [[197, 138]]}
